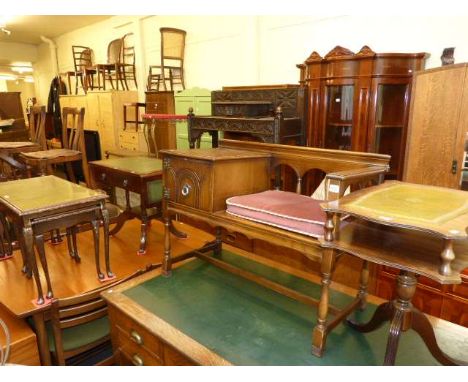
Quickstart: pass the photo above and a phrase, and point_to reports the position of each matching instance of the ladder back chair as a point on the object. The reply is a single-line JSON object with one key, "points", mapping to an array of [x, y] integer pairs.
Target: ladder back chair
{"points": [[126, 67], [73, 147], [172, 60], [79, 328], [82, 61], [9, 151]]}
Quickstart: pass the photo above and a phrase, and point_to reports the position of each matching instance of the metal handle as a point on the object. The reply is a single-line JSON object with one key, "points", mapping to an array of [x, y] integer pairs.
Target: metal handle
{"points": [[185, 189], [136, 337], [125, 183], [103, 176], [136, 360], [454, 166], [231, 238]]}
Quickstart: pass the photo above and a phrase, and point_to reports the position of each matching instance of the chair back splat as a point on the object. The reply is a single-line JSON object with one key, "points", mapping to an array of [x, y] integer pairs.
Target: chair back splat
{"points": [[37, 119], [80, 328]]}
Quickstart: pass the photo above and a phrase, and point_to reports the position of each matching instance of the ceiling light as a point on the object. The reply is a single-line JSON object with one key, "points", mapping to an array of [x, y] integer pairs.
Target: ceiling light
{"points": [[22, 69], [7, 77], [29, 79]]}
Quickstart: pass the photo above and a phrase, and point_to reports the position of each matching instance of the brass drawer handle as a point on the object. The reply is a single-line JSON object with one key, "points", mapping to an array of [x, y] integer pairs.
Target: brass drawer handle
{"points": [[230, 238], [136, 360], [186, 188], [103, 176], [136, 337]]}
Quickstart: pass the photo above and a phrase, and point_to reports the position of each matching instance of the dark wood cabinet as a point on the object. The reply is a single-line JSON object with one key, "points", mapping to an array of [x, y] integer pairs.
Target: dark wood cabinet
{"points": [[162, 103], [360, 102], [11, 108]]}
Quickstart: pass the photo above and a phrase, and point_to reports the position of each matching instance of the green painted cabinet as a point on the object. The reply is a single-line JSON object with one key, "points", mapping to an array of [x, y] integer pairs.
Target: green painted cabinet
{"points": [[200, 100]]}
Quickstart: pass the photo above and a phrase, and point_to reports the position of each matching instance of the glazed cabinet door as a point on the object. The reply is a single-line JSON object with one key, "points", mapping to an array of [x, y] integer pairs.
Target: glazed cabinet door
{"points": [[338, 115], [386, 133]]}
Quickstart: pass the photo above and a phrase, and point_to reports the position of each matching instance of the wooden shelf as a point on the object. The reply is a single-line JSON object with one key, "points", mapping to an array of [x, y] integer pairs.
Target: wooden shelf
{"points": [[409, 250], [340, 124], [390, 126]]}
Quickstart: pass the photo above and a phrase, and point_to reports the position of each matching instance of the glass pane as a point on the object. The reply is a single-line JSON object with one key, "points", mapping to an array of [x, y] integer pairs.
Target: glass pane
{"points": [[339, 117], [388, 141], [391, 104]]}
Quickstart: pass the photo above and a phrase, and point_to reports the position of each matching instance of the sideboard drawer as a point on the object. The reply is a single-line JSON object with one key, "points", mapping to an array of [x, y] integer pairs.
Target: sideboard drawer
{"points": [[205, 178]]}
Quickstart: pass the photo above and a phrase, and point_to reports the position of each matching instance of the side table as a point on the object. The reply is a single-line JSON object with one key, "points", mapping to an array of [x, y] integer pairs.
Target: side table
{"points": [[41, 204], [418, 229], [141, 175]]}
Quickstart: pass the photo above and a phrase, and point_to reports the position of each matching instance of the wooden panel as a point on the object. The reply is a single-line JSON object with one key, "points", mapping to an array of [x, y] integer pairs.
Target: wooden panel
{"points": [[174, 358], [434, 124], [23, 348], [455, 309], [207, 184]]}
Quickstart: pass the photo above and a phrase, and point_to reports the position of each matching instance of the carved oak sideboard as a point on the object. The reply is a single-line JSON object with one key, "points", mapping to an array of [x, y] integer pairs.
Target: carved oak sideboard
{"points": [[270, 114]]}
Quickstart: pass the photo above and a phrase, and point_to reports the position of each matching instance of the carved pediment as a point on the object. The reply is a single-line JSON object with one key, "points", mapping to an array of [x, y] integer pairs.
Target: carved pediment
{"points": [[314, 56], [365, 51], [338, 51]]}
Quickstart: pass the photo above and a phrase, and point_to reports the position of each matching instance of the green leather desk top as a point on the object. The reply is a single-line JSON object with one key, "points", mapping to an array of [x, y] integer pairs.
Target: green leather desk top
{"points": [[440, 210], [248, 324], [134, 165], [44, 192]]}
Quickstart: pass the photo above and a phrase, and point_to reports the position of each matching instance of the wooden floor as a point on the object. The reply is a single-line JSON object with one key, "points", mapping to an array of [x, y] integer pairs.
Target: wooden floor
{"points": [[17, 293]]}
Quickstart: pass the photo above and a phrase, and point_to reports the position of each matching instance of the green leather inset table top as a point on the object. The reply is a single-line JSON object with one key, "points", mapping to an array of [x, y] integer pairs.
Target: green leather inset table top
{"points": [[32, 194], [410, 202], [134, 165], [248, 324], [439, 210]]}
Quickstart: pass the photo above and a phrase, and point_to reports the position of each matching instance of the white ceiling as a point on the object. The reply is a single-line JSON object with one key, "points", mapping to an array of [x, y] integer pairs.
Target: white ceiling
{"points": [[28, 29]]}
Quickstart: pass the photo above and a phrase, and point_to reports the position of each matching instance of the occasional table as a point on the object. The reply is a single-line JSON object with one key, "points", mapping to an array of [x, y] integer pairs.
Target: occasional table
{"points": [[141, 175], [41, 204], [418, 229]]}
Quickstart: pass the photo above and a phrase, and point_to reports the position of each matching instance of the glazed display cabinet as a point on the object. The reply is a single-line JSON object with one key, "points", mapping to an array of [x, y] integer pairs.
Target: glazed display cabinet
{"points": [[360, 102]]}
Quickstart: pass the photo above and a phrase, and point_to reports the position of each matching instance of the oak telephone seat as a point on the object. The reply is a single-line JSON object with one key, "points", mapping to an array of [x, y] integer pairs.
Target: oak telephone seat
{"points": [[198, 182]]}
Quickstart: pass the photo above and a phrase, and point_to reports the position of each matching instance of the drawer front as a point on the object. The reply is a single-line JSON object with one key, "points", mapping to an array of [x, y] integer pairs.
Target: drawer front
{"points": [[137, 354], [102, 177], [133, 146], [106, 177], [128, 137], [189, 182], [133, 337]]}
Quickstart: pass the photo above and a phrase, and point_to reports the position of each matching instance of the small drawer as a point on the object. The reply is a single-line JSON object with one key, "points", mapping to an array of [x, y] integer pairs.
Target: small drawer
{"points": [[136, 355], [128, 137], [129, 146], [102, 176], [132, 333]]}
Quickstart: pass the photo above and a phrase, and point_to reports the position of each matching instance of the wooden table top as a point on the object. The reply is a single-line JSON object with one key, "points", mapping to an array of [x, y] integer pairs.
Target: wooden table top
{"points": [[140, 165], [437, 210], [26, 196], [216, 154]]}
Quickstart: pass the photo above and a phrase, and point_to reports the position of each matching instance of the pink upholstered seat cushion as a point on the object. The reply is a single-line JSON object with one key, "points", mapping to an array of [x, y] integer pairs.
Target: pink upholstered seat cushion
{"points": [[287, 210]]}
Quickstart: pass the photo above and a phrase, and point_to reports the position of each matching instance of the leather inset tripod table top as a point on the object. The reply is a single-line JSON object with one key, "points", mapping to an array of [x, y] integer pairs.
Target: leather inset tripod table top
{"points": [[418, 229]]}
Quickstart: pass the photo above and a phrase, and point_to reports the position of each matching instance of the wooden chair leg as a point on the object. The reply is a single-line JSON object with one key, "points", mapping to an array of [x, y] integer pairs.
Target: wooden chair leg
{"points": [[70, 172], [105, 224]]}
